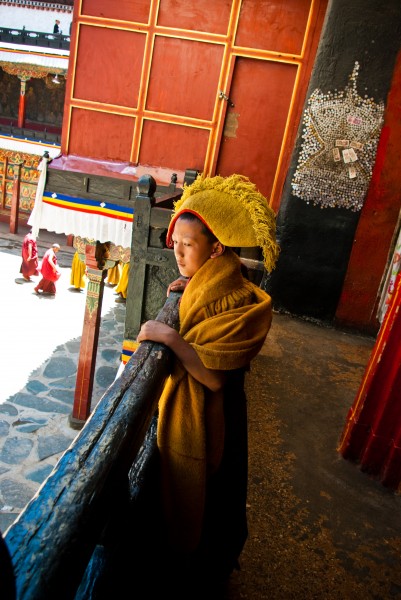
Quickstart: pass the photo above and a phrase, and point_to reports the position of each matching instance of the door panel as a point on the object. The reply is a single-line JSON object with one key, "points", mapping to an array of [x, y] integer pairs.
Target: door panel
{"points": [[110, 137], [252, 145], [195, 16], [173, 146], [274, 26], [101, 75], [128, 10], [184, 77]]}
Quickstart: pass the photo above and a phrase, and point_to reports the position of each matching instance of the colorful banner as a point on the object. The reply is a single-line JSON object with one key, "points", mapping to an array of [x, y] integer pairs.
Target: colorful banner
{"points": [[84, 217]]}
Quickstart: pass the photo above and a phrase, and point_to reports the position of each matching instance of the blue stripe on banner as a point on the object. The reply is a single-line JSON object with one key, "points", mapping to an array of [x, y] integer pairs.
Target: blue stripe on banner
{"points": [[90, 203]]}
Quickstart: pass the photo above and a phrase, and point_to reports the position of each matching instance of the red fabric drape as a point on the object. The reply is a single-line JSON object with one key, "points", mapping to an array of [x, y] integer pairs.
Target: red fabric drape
{"points": [[372, 433]]}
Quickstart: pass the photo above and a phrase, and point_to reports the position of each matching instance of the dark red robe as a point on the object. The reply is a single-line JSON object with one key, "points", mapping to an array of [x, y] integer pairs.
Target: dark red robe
{"points": [[50, 273], [30, 261]]}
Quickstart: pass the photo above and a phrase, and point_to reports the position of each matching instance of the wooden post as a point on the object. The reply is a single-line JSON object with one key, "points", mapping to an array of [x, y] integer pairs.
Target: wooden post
{"points": [[21, 106], [149, 260], [95, 257], [3, 183], [144, 200], [15, 199]]}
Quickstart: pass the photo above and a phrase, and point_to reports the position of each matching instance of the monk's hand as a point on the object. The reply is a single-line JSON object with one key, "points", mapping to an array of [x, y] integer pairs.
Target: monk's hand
{"points": [[177, 286], [155, 331]]}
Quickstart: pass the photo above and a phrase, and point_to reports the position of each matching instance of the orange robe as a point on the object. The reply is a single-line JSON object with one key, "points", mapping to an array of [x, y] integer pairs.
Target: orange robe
{"points": [[202, 435]]}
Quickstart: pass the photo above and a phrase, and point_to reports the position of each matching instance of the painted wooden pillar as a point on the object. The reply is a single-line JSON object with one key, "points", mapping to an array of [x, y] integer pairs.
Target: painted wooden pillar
{"points": [[372, 433], [95, 259], [3, 182], [144, 201], [21, 106], [15, 199], [151, 220]]}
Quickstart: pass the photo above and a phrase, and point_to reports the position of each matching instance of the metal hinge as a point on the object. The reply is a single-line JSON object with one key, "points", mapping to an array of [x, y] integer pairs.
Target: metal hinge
{"points": [[224, 96]]}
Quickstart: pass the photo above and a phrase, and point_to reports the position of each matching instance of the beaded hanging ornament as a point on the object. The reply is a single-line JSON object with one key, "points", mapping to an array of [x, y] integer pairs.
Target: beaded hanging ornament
{"points": [[340, 137]]}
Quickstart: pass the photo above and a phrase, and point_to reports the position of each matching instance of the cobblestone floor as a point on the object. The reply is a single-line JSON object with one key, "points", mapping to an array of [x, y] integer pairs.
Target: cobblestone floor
{"points": [[39, 358]]}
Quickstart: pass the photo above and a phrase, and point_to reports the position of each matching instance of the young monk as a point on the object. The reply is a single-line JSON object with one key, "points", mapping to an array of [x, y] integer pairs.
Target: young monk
{"points": [[122, 286], [50, 272], [30, 260], [202, 421], [78, 271]]}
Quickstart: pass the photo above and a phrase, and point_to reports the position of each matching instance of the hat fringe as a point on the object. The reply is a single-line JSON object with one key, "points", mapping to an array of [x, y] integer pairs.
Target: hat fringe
{"points": [[242, 189]]}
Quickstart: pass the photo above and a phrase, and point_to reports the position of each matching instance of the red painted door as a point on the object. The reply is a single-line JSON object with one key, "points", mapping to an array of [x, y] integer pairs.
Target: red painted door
{"points": [[149, 84]]}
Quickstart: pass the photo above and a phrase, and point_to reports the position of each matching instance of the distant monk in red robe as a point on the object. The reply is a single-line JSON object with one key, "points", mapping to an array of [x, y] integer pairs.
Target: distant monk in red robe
{"points": [[50, 271], [30, 261]]}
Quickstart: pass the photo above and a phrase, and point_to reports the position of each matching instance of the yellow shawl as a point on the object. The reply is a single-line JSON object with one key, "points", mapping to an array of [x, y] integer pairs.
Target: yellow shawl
{"points": [[226, 319]]}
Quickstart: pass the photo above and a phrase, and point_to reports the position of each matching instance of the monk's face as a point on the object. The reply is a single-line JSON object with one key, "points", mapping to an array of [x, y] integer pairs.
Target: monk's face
{"points": [[192, 248]]}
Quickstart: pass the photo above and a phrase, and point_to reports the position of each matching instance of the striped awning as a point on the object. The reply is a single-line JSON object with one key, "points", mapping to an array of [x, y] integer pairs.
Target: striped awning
{"points": [[12, 143], [50, 59], [84, 217]]}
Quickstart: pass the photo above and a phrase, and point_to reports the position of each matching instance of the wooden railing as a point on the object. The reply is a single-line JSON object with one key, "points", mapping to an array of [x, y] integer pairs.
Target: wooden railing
{"points": [[35, 38], [60, 531], [40, 134]]}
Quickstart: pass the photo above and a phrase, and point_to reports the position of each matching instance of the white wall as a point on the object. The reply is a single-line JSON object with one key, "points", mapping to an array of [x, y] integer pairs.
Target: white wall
{"points": [[34, 19]]}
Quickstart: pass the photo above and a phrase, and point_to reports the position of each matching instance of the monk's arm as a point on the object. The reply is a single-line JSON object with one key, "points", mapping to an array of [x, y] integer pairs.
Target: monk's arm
{"points": [[52, 263], [160, 332]]}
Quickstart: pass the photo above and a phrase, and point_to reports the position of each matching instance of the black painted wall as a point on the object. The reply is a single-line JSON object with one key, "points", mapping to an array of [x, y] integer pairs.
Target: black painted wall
{"points": [[316, 242]]}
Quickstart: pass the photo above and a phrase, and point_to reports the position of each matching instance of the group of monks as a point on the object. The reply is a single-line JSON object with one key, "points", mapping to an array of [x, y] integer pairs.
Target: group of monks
{"points": [[117, 277], [48, 268]]}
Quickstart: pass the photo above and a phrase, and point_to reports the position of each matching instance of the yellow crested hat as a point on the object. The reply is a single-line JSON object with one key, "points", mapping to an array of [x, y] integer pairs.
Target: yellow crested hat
{"points": [[234, 211]]}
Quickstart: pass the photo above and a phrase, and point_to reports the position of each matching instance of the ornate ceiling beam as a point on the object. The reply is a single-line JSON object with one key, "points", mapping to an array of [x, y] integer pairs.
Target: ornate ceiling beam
{"points": [[25, 71]]}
